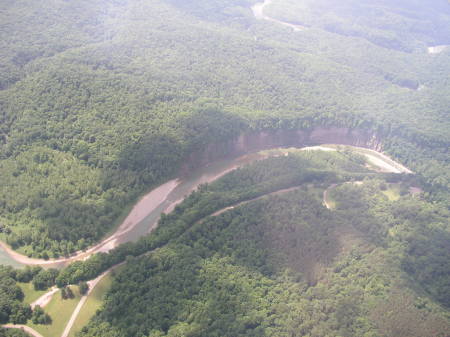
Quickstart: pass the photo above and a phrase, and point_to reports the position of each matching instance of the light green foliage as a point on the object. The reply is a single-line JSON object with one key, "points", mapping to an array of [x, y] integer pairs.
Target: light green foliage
{"points": [[400, 25], [100, 100], [134, 87]]}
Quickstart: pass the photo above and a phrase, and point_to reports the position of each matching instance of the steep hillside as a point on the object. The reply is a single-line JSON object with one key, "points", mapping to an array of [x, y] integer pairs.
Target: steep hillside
{"points": [[102, 100], [284, 265]]}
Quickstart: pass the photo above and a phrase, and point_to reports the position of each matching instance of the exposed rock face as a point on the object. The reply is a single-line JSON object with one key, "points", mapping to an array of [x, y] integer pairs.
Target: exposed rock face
{"points": [[262, 140]]}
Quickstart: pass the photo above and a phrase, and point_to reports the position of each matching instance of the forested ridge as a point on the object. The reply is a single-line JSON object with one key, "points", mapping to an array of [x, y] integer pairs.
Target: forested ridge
{"points": [[102, 100], [285, 265], [113, 108]]}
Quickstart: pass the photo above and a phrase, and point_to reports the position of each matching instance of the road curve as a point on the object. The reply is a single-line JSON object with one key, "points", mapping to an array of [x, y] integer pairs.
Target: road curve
{"points": [[25, 328], [258, 12], [326, 193], [94, 282], [379, 160]]}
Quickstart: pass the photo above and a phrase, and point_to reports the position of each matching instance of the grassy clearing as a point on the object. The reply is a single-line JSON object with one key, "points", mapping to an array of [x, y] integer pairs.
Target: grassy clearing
{"points": [[60, 311], [31, 295], [93, 303]]}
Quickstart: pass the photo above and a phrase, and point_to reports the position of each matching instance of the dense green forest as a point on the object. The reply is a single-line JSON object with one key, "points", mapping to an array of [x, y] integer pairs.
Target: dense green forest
{"points": [[109, 101], [284, 265], [240, 185], [399, 25], [102, 100]]}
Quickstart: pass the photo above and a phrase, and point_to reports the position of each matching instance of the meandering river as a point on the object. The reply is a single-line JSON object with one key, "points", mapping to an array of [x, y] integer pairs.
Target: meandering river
{"points": [[145, 214]]}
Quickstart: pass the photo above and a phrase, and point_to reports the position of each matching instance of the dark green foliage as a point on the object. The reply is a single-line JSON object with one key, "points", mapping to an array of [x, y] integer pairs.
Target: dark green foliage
{"points": [[11, 307], [67, 293], [243, 184], [39, 316], [100, 330], [101, 100], [83, 288], [27, 274], [421, 233], [45, 279], [427, 255]]}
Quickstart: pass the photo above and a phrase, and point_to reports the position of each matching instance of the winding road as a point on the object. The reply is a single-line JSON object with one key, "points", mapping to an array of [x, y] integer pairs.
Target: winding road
{"points": [[258, 12], [378, 160], [25, 328], [92, 284], [159, 200]]}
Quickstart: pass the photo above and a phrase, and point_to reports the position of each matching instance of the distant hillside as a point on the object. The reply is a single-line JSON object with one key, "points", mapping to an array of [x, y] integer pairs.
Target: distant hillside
{"points": [[101, 100], [400, 25]]}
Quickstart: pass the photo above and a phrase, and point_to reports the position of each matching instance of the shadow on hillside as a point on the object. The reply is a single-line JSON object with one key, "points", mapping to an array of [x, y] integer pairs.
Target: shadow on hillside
{"points": [[427, 260]]}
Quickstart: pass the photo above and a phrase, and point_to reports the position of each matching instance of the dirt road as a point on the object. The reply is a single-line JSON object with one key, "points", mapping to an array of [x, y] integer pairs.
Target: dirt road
{"points": [[258, 12], [44, 299], [25, 328]]}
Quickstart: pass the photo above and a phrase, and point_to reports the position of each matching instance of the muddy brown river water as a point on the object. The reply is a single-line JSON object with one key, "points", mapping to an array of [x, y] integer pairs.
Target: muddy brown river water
{"points": [[145, 214]]}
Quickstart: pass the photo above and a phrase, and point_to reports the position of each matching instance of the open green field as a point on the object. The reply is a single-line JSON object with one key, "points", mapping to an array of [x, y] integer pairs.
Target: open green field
{"points": [[60, 311], [93, 303], [31, 295]]}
